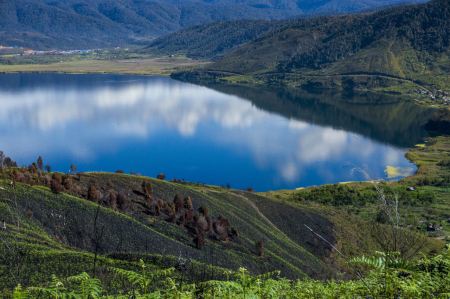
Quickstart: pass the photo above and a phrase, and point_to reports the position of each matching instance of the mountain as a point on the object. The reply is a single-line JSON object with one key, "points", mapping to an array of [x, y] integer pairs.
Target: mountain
{"points": [[80, 23], [409, 43], [214, 40]]}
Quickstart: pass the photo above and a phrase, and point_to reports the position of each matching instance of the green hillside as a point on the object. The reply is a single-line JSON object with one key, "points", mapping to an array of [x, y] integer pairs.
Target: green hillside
{"points": [[409, 43], [214, 40], [69, 24], [61, 234]]}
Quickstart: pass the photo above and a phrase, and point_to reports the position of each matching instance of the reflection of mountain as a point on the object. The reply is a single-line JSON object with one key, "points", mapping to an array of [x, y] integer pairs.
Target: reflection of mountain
{"points": [[383, 118]]}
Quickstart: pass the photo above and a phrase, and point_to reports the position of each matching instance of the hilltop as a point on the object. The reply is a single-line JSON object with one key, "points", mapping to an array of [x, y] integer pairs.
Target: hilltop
{"points": [[403, 45]]}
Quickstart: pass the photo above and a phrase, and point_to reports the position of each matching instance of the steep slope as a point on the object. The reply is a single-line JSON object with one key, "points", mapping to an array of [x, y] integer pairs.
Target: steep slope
{"points": [[410, 42], [71, 226]]}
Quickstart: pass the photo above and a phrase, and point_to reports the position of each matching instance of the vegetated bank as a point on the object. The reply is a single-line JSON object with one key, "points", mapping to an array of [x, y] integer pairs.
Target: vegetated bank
{"points": [[397, 50]]}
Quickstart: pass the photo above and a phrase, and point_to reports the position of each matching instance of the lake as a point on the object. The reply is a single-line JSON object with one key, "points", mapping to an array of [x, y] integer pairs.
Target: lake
{"points": [[263, 138]]}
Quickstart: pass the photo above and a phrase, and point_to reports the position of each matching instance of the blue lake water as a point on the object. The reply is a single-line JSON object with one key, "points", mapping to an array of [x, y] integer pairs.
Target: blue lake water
{"points": [[266, 139]]}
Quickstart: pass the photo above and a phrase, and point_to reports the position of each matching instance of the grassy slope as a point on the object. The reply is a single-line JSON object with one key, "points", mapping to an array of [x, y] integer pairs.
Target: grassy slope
{"points": [[427, 157], [65, 224]]}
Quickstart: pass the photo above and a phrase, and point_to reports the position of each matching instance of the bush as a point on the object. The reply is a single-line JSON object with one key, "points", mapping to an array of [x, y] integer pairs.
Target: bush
{"points": [[93, 194], [56, 176], [161, 176]]}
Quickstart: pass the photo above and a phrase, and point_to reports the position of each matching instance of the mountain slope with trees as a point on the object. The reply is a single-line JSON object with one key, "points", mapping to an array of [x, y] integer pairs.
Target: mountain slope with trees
{"points": [[214, 40], [410, 42], [45, 24], [95, 219]]}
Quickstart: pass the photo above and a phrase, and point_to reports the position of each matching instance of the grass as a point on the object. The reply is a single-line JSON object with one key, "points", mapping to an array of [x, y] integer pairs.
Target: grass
{"points": [[146, 66]]}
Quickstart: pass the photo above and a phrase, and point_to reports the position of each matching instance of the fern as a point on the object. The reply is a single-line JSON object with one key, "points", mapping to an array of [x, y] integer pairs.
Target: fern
{"points": [[88, 288]]}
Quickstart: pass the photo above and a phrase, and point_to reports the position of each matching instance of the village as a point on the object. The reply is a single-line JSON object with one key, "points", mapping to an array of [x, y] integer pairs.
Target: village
{"points": [[440, 96]]}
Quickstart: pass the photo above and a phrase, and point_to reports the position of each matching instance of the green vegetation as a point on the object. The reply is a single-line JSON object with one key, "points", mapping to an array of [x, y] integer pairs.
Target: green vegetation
{"points": [[403, 45], [391, 276], [427, 204], [214, 40]]}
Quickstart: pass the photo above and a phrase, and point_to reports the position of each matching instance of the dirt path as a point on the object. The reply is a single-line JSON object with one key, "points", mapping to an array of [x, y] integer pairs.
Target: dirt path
{"points": [[254, 206]]}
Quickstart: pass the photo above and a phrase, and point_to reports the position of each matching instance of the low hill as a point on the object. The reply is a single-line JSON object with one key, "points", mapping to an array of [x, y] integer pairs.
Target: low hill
{"points": [[214, 40], [59, 230], [43, 24], [409, 43]]}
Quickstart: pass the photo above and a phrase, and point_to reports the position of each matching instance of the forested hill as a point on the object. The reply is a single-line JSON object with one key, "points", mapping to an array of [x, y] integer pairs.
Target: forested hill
{"points": [[44, 24], [214, 40], [408, 42]]}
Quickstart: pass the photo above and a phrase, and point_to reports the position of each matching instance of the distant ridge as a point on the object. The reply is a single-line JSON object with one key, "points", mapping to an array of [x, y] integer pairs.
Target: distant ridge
{"points": [[43, 24], [214, 40]]}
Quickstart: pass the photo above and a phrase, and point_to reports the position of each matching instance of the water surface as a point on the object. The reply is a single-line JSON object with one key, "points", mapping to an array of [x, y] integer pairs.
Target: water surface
{"points": [[249, 137]]}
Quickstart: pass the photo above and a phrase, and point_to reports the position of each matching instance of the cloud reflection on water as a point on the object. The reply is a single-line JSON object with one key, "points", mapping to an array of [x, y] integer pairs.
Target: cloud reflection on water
{"points": [[81, 121]]}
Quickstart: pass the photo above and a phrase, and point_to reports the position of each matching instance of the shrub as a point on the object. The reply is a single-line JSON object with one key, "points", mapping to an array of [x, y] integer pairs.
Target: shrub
{"points": [[123, 201], [147, 187], [56, 176], [132, 172], [250, 190], [110, 184], [199, 242], [189, 215], [119, 171], [234, 233], [67, 182], [259, 248], [32, 168], [93, 194], [161, 176], [179, 203], [30, 213], [201, 224], [112, 200], [203, 210], [221, 233], [188, 203], [73, 168], [48, 168], [55, 186]]}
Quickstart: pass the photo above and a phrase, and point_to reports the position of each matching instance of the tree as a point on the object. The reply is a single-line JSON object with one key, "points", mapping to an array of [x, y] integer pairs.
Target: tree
{"points": [[93, 194], [228, 185], [132, 172], [2, 158], [48, 168], [73, 168], [55, 186], [123, 202], [56, 176], [7, 162], [40, 163], [119, 171], [188, 203], [249, 189], [147, 187], [161, 176], [179, 203]]}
